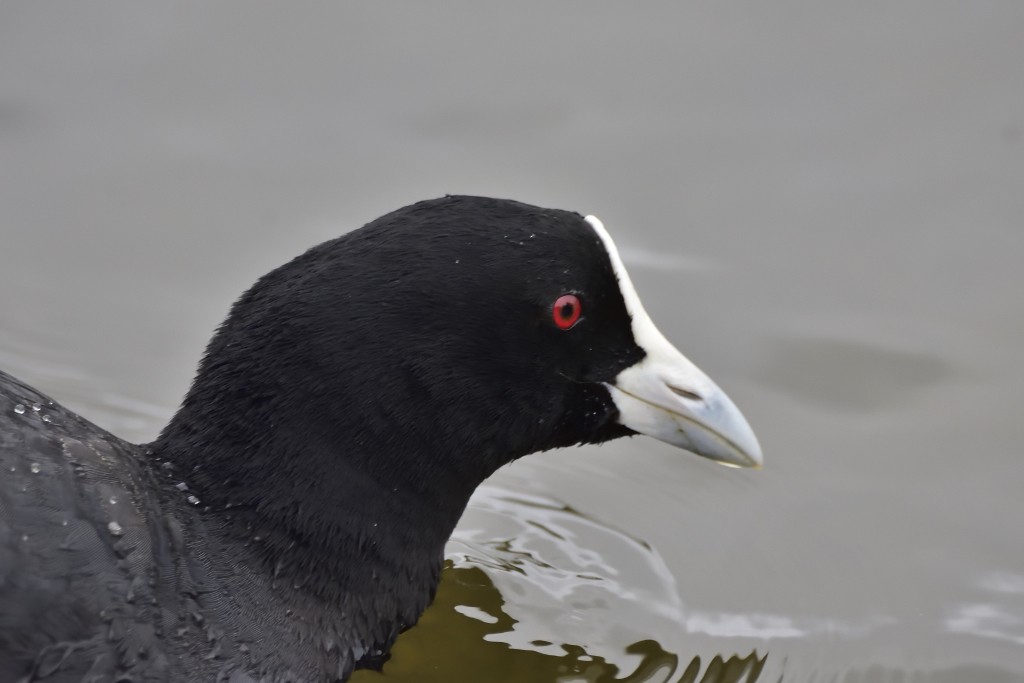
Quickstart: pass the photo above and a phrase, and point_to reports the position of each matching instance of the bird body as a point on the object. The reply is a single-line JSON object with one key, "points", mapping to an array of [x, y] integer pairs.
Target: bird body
{"points": [[290, 520]]}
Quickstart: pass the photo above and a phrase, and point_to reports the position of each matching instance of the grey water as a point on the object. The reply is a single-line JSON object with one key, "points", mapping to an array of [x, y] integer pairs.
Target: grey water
{"points": [[821, 204]]}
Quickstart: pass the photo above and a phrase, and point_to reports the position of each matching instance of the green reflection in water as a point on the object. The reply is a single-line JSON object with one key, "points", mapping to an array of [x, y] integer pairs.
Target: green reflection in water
{"points": [[447, 646]]}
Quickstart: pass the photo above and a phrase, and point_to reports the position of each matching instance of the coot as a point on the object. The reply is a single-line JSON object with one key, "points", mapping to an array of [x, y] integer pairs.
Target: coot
{"points": [[290, 520]]}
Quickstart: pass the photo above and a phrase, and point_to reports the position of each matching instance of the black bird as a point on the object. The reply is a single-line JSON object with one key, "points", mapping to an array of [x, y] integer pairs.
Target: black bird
{"points": [[290, 520]]}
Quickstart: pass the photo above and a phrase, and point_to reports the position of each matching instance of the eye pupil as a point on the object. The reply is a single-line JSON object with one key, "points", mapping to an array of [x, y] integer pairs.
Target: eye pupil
{"points": [[566, 311]]}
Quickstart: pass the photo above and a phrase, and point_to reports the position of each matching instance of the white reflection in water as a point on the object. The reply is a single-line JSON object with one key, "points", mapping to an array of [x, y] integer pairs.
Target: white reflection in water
{"points": [[570, 579], [996, 621], [567, 578], [769, 626], [561, 550], [987, 621], [476, 613]]}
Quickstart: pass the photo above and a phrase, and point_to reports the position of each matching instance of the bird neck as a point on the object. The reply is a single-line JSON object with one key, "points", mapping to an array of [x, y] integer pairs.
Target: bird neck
{"points": [[361, 533]]}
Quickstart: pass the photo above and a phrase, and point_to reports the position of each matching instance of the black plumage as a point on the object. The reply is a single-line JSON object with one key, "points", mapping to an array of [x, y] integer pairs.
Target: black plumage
{"points": [[290, 519]]}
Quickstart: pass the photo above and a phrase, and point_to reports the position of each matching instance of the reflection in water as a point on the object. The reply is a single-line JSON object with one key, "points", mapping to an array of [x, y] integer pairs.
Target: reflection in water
{"points": [[449, 646], [995, 616], [536, 591], [987, 621], [771, 626]]}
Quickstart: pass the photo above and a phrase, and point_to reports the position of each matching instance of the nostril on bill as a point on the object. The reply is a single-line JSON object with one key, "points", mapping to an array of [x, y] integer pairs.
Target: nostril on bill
{"points": [[685, 393]]}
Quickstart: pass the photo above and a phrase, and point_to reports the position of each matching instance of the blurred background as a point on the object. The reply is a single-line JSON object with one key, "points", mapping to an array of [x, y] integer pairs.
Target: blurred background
{"points": [[823, 206]]}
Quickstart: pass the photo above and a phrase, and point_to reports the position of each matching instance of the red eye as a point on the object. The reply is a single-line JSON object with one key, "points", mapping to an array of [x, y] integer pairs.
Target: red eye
{"points": [[566, 311]]}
